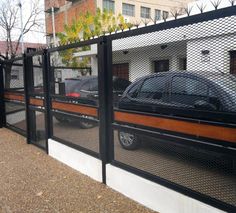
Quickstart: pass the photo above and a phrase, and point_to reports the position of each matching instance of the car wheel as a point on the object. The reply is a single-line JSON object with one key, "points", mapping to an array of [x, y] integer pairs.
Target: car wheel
{"points": [[86, 124], [128, 140], [61, 119]]}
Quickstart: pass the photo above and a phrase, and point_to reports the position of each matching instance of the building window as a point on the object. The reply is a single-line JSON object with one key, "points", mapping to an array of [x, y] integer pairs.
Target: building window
{"points": [[161, 65], [182, 64], [145, 12], [109, 5], [157, 15], [165, 14], [233, 62], [128, 9], [15, 75]]}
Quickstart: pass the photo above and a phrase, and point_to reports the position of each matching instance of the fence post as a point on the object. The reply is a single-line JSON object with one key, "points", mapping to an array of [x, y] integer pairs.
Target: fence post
{"points": [[25, 71], [47, 100], [29, 87], [105, 102], [2, 104]]}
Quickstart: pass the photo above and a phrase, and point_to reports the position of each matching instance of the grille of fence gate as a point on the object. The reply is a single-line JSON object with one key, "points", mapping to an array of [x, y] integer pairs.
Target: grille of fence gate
{"points": [[14, 95], [157, 101]]}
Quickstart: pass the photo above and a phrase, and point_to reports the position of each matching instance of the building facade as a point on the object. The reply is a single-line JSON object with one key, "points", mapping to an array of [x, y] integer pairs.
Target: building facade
{"points": [[132, 10]]}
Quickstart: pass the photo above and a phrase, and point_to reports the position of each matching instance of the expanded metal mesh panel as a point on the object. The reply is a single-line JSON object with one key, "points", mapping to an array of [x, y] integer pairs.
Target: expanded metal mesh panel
{"points": [[71, 130], [37, 124], [14, 89], [37, 74], [75, 96], [15, 115], [183, 87], [14, 75], [206, 172], [11, 107]]}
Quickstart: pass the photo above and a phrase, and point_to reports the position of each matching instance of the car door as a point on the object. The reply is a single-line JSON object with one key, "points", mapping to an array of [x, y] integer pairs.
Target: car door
{"points": [[84, 89], [186, 91], [91, 90], [151, 94]]}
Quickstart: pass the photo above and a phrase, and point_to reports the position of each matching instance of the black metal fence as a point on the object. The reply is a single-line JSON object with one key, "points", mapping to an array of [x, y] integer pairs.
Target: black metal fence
{"points": [[158, 101]]}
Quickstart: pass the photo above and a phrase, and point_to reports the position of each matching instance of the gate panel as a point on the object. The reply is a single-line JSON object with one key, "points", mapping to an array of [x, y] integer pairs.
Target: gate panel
{"points": [[34, 66], [14, 95], [74, 97]]}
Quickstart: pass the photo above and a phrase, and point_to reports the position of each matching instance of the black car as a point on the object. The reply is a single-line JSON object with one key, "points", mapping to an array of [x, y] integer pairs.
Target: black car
{"points": [[86, 87], [181, 94], [85, 90]]}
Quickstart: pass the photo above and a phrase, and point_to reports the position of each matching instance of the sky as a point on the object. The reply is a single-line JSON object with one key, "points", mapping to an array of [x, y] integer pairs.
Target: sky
{"points": [[207, 5], [36, 35]]}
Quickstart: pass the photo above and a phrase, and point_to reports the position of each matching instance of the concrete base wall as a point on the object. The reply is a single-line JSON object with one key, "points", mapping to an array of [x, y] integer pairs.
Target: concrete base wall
{"points": [[79, 161], [152, 195]]}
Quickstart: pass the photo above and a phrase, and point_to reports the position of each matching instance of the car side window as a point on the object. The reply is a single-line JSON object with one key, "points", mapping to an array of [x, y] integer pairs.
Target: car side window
{"points": [[153, 88], [189, 92], [86, 86], [214, 98], [188, 86]]}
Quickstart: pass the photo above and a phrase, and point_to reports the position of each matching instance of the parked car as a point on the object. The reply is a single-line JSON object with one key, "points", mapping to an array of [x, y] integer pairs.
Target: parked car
{"points": [[86, 87], [85, 90], [182, 94]]}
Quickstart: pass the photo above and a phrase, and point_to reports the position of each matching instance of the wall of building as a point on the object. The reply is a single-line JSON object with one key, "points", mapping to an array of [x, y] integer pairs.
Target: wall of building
{"points": [[168, 5], [54, 3], [218, 39], [68, 11], [141, 60], [218, 57], [186, 33]]}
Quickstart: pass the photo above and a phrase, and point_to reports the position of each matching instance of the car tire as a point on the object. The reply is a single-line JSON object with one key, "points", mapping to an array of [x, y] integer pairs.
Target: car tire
{"points": [[61, 119], [86, 125], [128, 140]]}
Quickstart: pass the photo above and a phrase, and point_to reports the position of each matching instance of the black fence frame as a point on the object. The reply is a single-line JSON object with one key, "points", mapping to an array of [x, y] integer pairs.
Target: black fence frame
{"points": [[106, 125], [3, 121]]}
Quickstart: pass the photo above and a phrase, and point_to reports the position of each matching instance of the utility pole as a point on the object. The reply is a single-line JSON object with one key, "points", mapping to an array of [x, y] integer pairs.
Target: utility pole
{"points": [[53, 27], [21, 19]]}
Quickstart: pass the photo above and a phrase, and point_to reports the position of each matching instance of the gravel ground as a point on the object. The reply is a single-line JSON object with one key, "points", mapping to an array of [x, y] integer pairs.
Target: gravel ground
{"points": [[31, 181]]}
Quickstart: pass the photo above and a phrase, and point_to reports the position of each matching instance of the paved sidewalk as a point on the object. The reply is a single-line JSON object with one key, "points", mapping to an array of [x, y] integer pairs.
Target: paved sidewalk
{"points": [[31, 181]]}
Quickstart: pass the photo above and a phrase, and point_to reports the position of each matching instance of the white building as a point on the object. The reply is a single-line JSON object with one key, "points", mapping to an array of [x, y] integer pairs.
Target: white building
{"points": [[205, 46]]}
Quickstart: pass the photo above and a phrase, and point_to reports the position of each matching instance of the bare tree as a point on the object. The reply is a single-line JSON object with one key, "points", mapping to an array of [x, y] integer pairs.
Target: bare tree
{"points": [[10, 25]]}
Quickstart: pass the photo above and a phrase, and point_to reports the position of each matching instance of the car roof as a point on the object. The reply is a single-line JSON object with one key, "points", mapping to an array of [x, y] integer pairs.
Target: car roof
{"points": [[204, 74], [82, 78], [115, 78]]}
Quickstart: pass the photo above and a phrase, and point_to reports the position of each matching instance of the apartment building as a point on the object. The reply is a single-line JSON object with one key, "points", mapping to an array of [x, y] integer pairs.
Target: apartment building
{"points": [[132, 10], [142, 10]]}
